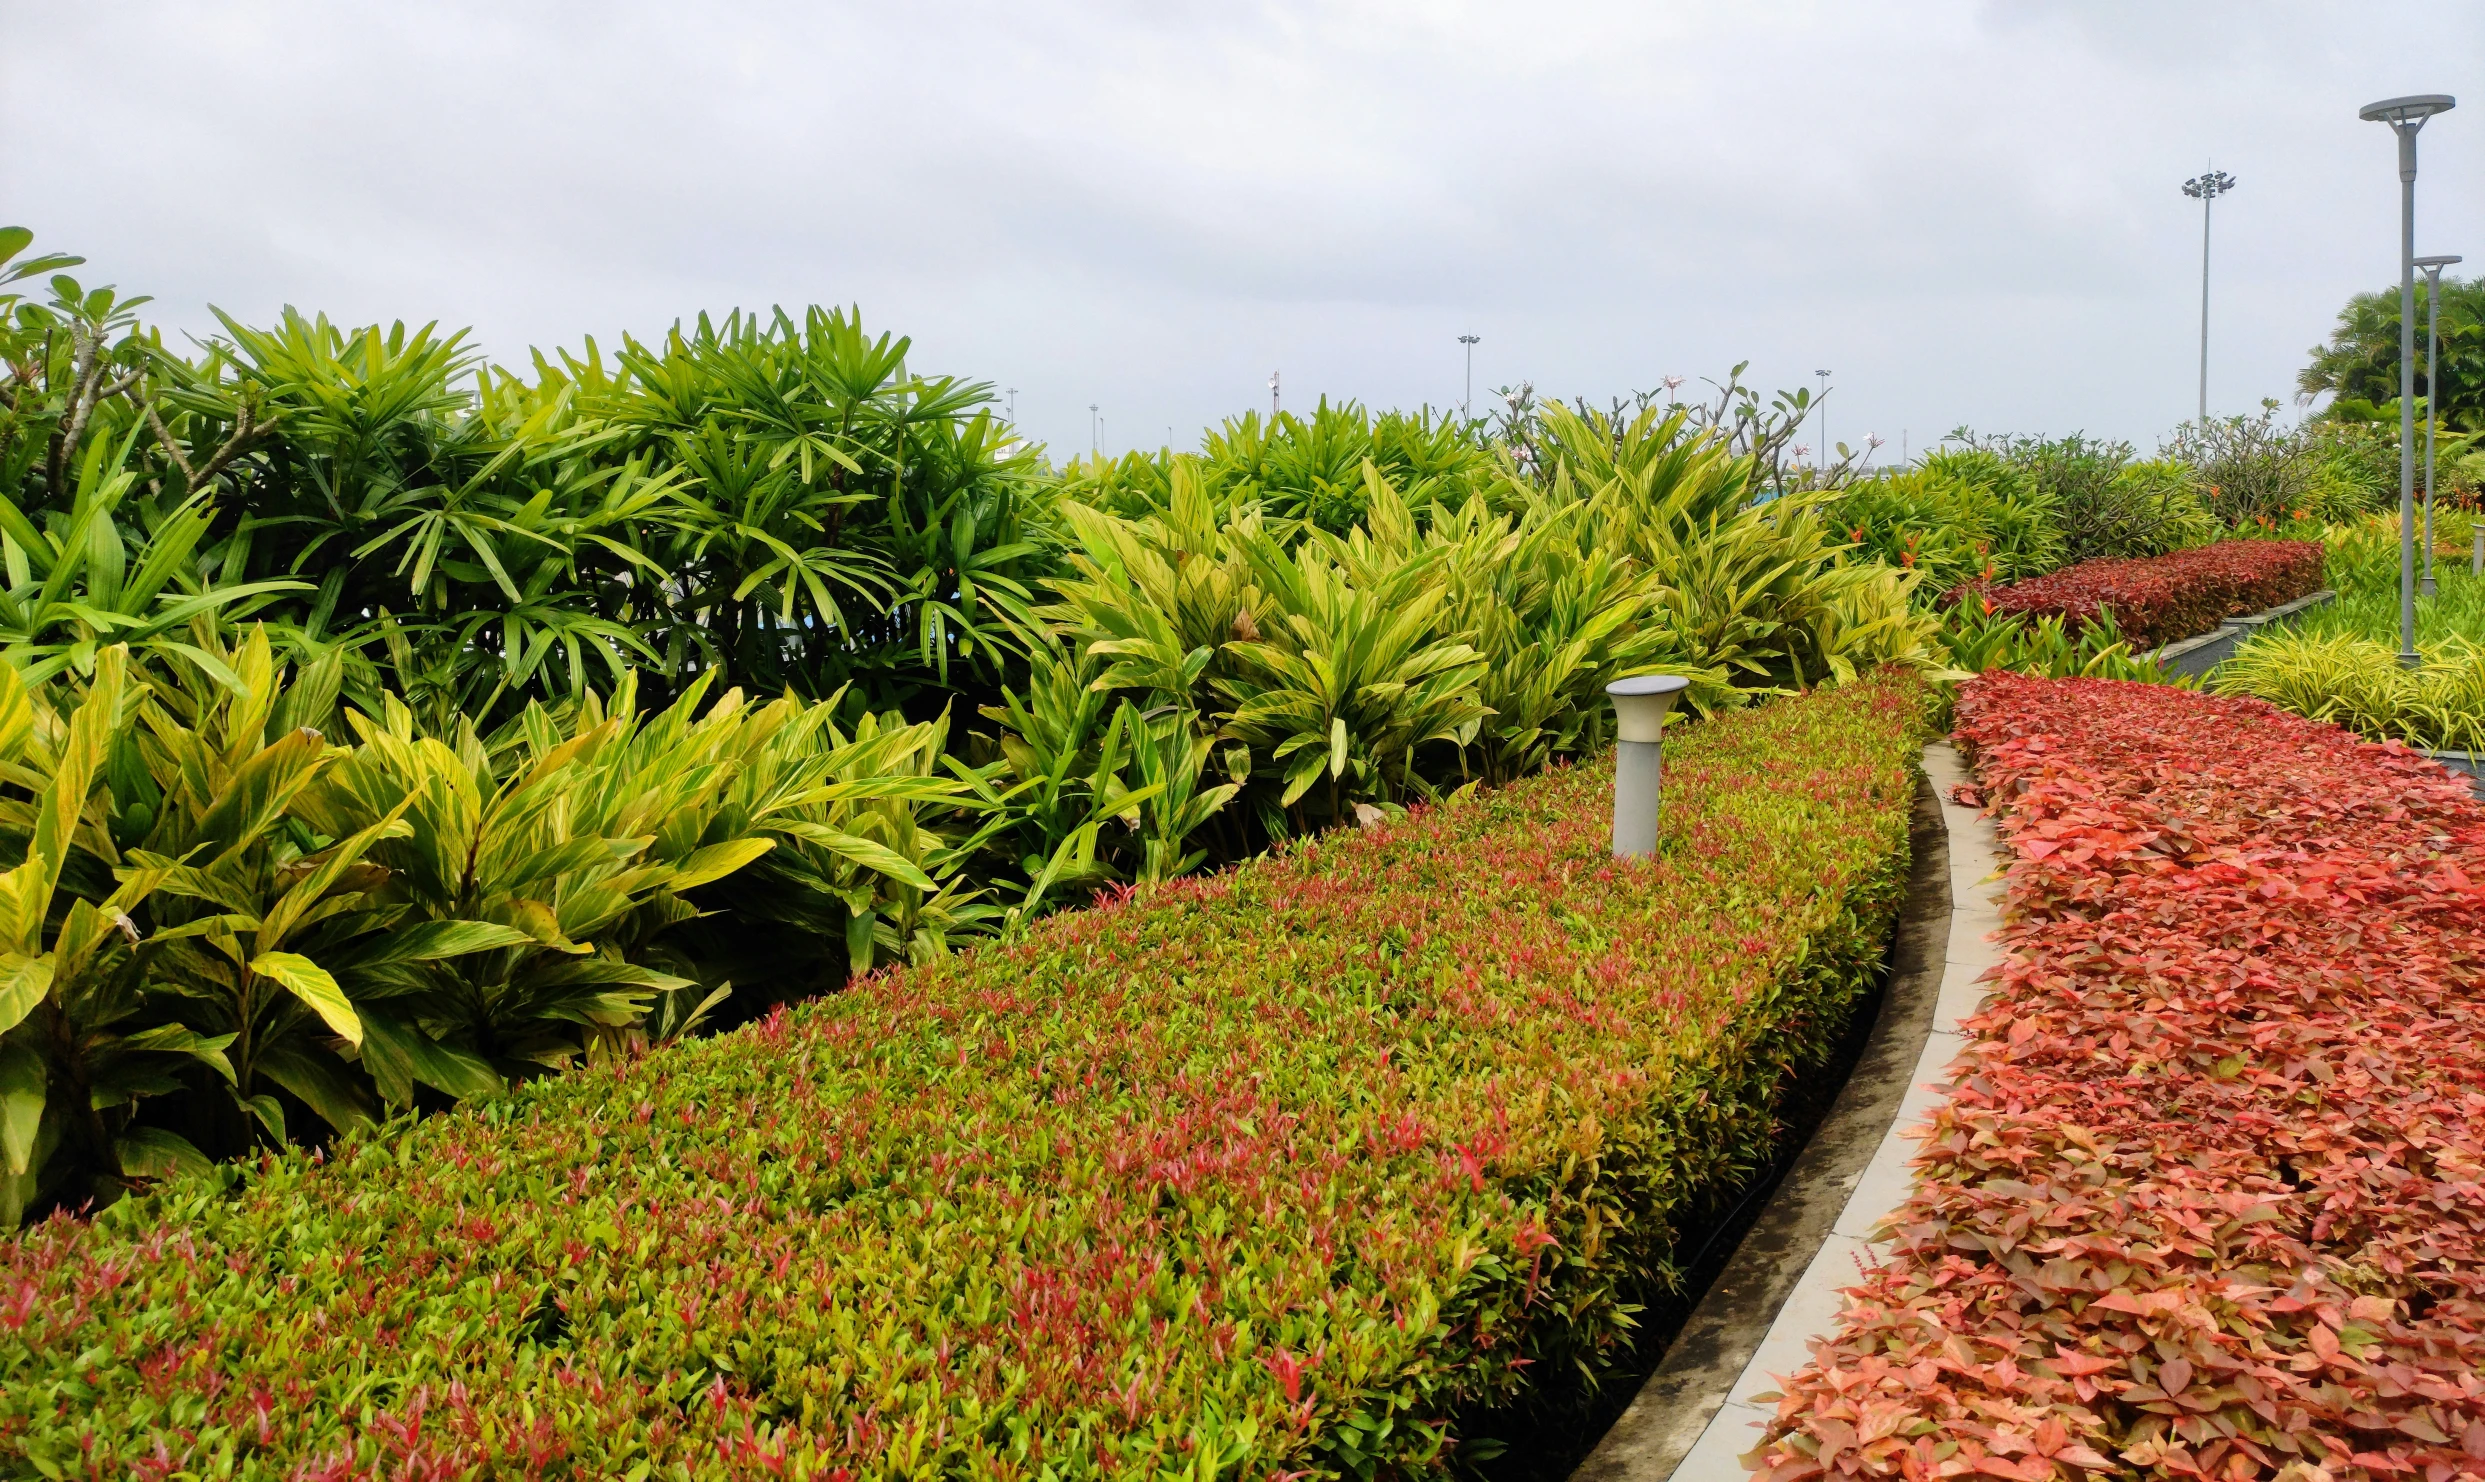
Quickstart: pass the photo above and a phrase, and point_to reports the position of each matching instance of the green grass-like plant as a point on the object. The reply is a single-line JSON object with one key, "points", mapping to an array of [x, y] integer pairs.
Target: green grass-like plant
{"points": [[2339, 662]]}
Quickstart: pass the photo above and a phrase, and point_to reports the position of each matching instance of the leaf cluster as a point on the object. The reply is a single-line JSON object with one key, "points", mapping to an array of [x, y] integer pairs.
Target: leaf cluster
{"points": [[2191, 1207]]}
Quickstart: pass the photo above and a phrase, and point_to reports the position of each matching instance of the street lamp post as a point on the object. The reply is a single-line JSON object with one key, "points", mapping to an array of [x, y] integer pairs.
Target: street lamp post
{"points": [[2405, 117], [2206, 189], [1095, 432], [1467, 399], [1013, 411], [2433, 388]]}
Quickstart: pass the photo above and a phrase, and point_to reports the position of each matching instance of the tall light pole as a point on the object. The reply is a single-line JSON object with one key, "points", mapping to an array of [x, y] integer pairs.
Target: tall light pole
{"points": [[1822, 402], [1013, 412], [2405, 117], [2433, 389], [1466, 400], [2206, 189], [1095, 432]]}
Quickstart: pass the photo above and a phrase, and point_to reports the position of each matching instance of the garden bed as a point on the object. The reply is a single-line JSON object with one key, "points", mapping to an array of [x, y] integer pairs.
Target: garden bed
{"points": [[2341, 664], [2205, 1200], [2158, 600], [1280, 1169]]}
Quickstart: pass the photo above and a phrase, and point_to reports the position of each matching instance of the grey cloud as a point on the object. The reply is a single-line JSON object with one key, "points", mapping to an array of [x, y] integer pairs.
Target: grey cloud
{"points": [[1968, 210]]}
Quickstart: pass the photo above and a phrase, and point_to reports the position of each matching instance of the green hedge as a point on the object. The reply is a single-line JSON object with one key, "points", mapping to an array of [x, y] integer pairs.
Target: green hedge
{"points": [[1278, 1169]]}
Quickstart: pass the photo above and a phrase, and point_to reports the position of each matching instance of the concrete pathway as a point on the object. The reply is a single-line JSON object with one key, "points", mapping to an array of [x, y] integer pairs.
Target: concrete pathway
{"points": [[1975, 890], [1689, 1424]]}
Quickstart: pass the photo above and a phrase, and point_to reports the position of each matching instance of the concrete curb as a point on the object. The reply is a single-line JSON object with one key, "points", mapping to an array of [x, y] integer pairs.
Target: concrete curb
{"points": [[2470, 764], [1692, 1418], [2192, 657]]}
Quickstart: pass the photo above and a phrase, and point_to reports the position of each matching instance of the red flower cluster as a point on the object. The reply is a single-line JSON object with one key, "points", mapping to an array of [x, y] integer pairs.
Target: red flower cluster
{"points": [[2209, 1198], [2162, 599]]}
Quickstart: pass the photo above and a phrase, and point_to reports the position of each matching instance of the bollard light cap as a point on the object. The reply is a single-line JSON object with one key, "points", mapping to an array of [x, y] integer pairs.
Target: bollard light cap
{"points": [[1640, 703]]}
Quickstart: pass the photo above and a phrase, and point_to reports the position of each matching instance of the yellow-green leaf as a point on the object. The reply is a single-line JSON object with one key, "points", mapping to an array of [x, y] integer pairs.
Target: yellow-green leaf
{"points": [[309, 982], [23, 982], [21, 1104], [717, 861]]}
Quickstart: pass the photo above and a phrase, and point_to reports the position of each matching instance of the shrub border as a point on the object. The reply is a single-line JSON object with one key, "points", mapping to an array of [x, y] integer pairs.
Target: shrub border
{"points": [[1843, 958]]}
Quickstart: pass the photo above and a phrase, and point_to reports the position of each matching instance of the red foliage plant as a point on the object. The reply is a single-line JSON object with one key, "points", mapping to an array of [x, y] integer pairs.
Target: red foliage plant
{"points": [[2164, 599], [2208, 1196]]}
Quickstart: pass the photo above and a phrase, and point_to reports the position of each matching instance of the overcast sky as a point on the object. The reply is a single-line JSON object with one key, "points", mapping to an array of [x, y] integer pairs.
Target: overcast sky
{"points": [[1969, 213]]}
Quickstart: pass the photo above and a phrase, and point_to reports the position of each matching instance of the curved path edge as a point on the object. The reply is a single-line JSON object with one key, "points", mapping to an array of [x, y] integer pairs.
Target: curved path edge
{"points": [[1693, 1418]]}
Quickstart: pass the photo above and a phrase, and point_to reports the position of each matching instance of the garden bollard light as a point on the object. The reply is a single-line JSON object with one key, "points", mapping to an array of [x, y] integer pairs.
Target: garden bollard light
{"points": [[1639, 722]]}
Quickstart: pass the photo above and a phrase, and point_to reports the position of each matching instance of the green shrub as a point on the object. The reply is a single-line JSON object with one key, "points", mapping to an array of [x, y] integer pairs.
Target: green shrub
{"points": [[1298, 469], [2149, 509], [2250, 470], [2358, 682], [1295, 1168], [1959, 517], [229, 924], [1979, 638]]}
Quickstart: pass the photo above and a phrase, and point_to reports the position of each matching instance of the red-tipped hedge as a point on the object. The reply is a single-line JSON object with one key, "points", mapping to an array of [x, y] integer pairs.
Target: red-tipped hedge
{"points": [[2164, 599], [2208, 1200], [1279, 1172]]}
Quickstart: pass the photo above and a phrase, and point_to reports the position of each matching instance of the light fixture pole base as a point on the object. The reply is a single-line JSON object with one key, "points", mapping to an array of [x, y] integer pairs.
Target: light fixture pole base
{"points": [[1640, 704], [1636, 784]]}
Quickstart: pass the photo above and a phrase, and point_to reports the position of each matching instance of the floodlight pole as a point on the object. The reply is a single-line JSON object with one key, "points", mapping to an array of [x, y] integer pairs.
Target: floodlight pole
{"points": [[2433, 390], [1272, 398], [1466, 401], [2206, 189], [2405, 116]]}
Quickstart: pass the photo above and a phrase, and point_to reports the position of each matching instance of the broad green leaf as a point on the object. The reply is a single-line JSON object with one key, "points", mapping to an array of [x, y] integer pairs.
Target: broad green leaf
{"points": [[398, 1054], [323, 1082], [719, 860], [29, 894], [858, 850], [179, 1039], [270, 1114], [434, 940], [22, 1078], [23, 982], [309, 982], [152, 1152]]}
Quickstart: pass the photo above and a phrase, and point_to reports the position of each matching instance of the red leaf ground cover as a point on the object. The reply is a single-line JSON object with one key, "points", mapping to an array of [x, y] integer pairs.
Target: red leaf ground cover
{"points": [[2163, 599], [2209, 1197]]}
